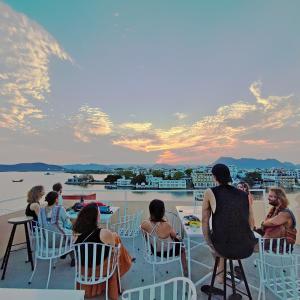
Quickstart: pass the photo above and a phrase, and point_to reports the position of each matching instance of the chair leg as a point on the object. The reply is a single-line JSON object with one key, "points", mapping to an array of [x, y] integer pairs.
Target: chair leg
{"points": [[214, 275], [181, 267], [119, 278], [106, 290], [224, 278], [153, 268], [232, 277], [34, 269], [49, 273], [133, 248], [245, 280], [7, 252]]}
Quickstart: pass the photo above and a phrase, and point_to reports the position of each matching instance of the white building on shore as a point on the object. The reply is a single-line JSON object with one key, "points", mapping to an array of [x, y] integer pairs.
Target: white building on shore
{"points": [[203, 180], [122, 182], [172, 184]]}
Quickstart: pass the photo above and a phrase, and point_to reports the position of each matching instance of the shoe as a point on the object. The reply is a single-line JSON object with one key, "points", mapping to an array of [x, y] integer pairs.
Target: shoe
{"points": [[238, 272], [72, 264], [207, 289]]}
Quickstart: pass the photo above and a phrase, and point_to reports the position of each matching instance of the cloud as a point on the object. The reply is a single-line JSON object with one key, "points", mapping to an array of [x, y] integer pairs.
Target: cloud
{"points": [[89, 123], [225, 130], [138, 127], [25, 52], [180, 116], [169, 157]]}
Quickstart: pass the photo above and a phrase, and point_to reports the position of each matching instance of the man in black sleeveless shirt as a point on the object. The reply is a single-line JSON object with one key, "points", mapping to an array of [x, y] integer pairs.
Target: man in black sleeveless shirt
{"points": [[231, 234]]}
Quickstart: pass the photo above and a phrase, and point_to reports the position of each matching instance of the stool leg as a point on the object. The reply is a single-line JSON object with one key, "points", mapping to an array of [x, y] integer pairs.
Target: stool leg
{"points": [[7, 252], [232, 277], [245, 280], [224, 276], [214, 275], [28, 246]]}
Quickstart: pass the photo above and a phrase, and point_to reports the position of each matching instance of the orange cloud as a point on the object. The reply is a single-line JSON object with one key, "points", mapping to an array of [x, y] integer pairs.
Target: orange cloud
{"points": [[138, 127], [26, 49], [169, 157], [90, 122]]}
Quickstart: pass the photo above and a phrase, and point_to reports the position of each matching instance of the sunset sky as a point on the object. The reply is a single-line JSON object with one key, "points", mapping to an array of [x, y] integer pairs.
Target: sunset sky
{"points": [[136, 81]]}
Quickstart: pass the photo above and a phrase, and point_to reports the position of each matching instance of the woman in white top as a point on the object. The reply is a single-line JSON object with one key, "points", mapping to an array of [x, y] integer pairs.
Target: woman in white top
{"points": [[159, 227]]}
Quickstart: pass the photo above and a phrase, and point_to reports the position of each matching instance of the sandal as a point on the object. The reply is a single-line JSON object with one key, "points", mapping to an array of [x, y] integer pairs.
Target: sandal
{"points": [[207, 289]]}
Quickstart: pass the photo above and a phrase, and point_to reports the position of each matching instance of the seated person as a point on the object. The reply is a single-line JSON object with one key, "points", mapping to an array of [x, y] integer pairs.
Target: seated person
{"points": [[33, 199], [54, 218], [280, 221], [244, 186], [86, 230], [159, 227], [57, 187]]}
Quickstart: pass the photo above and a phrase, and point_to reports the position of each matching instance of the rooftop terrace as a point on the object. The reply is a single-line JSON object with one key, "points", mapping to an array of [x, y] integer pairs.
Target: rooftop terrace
{"points": [[62, 276]]}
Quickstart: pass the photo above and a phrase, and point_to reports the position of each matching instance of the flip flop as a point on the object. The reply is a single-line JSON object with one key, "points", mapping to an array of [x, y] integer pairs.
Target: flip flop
{"points": [[207, 289]]}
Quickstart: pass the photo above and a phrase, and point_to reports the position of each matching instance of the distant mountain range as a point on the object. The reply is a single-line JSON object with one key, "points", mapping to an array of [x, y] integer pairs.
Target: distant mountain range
{"points": [[252, 163], [241, 163], [30, 167]]}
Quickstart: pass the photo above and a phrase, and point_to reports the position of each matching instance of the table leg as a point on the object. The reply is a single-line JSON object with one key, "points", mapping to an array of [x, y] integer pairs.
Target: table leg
{"points": [[189, 256], [29, 251]]}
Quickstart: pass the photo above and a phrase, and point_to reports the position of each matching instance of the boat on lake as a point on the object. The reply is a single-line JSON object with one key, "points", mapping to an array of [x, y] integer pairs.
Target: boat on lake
{"points": [[19, 180]]}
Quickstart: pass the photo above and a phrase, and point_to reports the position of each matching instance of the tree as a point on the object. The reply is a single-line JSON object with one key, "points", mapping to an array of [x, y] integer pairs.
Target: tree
{"points": [[158, 173], [139, 179], [188, 172], [251, 177], [178, 175], [126, 173], [111, 178]]}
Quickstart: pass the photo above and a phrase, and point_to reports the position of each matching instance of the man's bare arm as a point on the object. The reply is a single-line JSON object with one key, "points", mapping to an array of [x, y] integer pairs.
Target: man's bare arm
{"points": [[206, 213]]}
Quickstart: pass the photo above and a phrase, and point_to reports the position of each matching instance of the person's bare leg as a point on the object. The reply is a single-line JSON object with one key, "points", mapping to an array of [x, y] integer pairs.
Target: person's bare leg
{"points": [[220, 271], [184, 263]]}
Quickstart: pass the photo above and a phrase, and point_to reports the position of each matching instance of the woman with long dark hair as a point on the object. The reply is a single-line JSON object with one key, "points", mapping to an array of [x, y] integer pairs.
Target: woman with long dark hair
{"points": [[158, 226], [87, 230]]}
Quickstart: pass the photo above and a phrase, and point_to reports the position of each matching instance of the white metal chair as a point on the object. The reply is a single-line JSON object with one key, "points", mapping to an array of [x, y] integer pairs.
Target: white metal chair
{"points": [[176, 288], [101, 268], [175, 222], [167, 254], [49, 245], [278, 269], [129, 227]]}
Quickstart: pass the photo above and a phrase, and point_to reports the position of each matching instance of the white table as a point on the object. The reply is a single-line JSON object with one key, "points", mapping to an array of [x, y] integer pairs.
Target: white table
{"points": [[195, 233], [104, 218], [33, 294]]}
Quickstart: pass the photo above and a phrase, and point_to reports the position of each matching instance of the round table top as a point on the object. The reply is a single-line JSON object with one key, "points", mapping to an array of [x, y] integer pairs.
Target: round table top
{"points": [[20, 220]]}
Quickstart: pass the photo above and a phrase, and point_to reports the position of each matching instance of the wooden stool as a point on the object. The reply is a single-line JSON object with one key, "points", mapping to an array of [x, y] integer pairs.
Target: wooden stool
{"points": [[234, 295], [15, 222]]}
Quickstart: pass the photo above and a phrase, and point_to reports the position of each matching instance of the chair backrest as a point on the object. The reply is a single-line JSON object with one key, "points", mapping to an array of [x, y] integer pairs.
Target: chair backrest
{"points": [[174, 221], [129, 225], [51, 244], [274, 246], [278, 268], [159, 251], [176, 288], [91, 266]]}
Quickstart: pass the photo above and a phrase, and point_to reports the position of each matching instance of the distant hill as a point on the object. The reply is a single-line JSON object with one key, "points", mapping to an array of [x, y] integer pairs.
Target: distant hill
{"points": [[252, 163], [30, 167], [87, 167]]}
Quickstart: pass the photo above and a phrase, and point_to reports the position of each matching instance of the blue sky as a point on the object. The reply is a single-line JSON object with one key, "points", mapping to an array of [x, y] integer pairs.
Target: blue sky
{"points": [[149, 81]]}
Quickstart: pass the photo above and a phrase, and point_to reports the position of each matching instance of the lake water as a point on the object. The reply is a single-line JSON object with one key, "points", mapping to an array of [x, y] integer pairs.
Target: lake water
{"points": [[13, 194]]}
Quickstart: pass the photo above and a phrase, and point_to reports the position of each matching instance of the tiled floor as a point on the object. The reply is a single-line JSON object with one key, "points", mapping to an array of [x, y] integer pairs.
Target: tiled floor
{"points": [[62, 277]]}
